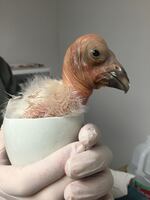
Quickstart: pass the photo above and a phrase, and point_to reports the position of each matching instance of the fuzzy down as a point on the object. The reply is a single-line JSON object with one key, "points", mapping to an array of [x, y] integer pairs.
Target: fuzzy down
{"points": [[44, 97]]}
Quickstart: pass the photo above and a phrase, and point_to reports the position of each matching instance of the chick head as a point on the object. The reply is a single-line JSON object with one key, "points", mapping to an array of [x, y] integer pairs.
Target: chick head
{"points": [[89, 64]]}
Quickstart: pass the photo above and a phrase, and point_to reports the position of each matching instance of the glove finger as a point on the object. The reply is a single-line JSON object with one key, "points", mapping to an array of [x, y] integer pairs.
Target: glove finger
{"points": [[107, 197], [90, 188], [88, 162], [4, 196], [89, 135], [30, 179], [54, 191]]}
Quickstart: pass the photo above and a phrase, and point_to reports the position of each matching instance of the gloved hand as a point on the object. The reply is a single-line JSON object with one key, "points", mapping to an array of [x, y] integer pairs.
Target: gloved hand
{"points": [[77, 171]]}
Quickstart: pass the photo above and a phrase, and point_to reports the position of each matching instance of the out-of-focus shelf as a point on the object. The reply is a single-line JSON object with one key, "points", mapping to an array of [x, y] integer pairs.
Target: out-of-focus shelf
{"points": [[34, 70], [23, 73]]}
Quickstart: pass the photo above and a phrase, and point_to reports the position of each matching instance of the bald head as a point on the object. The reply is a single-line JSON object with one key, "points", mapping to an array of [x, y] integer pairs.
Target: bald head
{"points": [[89, 64]]}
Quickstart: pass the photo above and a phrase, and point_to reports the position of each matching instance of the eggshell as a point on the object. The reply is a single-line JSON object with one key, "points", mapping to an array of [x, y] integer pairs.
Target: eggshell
{"points": [[29, 140]]}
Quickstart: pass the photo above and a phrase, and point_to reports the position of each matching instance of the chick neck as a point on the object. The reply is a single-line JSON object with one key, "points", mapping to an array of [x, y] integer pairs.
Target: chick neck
{"points": [[75, 81], [83, 92]]}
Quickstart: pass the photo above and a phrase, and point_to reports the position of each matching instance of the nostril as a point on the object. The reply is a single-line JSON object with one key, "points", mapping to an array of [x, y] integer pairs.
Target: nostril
{"points": [[117, 68]]}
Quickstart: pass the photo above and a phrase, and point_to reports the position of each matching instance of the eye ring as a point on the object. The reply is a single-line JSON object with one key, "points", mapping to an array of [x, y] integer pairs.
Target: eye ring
{"points": [[95, 53]]}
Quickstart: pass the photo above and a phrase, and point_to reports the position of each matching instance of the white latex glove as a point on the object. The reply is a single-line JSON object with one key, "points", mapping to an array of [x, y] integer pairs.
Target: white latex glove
{"points": [[76, 171]]}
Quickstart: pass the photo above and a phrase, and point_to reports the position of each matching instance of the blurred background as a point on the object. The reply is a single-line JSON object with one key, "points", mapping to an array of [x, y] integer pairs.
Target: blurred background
{"points": [[39, 31]]}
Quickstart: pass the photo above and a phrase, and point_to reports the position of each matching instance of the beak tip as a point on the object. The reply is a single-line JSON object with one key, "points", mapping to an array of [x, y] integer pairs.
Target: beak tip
{"points": [[120, 80], [127, 87], [125, 91]]}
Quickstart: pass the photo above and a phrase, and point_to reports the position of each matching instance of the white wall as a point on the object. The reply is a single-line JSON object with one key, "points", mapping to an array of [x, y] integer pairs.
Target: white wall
{"points": [[123, 119], [28, 32]]}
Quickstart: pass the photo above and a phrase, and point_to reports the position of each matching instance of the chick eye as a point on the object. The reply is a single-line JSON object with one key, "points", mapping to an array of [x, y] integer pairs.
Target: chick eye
{"points": [[95, 53]]}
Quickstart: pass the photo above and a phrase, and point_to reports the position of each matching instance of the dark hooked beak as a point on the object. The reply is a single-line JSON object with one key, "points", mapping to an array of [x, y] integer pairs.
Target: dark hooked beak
{"points": [[119, 79]]}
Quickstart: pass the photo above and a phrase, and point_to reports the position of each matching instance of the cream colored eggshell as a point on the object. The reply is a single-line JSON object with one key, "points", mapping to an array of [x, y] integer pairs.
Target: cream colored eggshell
{"points": [[29, 140]]}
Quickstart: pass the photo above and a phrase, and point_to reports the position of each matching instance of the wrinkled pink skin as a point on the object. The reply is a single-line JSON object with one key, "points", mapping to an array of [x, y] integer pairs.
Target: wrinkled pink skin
{"points": [[84, 73]]}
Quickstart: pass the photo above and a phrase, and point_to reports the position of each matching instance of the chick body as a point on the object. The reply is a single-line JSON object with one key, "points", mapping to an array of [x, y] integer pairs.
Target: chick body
{"points": [[88, 64], [44, 97]]}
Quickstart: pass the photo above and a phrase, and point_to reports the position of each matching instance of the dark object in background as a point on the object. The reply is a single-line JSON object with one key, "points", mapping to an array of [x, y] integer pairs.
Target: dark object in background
{"points": [[133, 194], [7, 85], [6, 76]]}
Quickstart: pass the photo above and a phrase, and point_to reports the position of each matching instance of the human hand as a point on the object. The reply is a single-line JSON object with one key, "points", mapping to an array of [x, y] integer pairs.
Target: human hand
{"points": [[76, 171]]}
